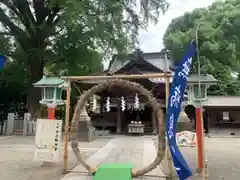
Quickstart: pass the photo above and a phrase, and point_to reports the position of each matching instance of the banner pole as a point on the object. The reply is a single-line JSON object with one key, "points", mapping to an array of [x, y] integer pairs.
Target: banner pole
{"points": [[169, 156], [206, 174]]}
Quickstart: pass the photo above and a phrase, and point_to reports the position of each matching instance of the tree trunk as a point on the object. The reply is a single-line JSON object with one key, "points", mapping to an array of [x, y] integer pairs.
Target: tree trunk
{"points": [[34, 94]]}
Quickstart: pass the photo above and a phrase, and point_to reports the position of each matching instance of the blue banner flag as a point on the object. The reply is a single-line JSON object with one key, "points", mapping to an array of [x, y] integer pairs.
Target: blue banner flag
{"points": [[174, 107], [2, 61]]}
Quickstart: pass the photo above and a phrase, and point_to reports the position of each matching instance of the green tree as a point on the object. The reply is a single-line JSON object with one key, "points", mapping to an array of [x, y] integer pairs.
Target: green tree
{"points": [[49, 32], [12, 78], [219, 42]]}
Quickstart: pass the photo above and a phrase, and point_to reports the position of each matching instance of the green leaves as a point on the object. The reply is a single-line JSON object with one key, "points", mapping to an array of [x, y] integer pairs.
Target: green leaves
{"points": [[219, 42], [74, 34], [93, 29], [69, 35]]}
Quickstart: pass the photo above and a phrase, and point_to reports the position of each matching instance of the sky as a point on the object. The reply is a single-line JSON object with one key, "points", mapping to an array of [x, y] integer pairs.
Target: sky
{"points": [[151, 38]]}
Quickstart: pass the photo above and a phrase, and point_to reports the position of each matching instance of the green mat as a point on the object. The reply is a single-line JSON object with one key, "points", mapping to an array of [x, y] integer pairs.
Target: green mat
{"points": [[114, 172]]}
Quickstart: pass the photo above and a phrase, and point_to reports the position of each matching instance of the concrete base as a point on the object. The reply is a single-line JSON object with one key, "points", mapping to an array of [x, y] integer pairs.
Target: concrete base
{"points": [[199, 171]]}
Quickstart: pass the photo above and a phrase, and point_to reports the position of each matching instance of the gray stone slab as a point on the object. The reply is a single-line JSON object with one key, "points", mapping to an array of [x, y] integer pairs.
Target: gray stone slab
{"points": [[79, 177], [149, 156], [94, 161], [115, 152], [149, 178], [109, 160], [137, 151]]}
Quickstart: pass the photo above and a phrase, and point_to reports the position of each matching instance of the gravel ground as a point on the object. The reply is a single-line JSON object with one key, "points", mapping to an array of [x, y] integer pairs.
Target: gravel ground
{"points": [[222, 155], [16, 159]]}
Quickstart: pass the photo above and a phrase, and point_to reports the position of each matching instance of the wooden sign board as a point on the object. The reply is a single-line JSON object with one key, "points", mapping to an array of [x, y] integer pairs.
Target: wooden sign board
{"points": [[48, 140]]}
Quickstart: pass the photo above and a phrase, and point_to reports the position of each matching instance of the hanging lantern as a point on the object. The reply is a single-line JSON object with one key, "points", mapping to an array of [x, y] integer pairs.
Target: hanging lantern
{"points": [[136, 104], [108, 104], [94, 103], [123, 105]]}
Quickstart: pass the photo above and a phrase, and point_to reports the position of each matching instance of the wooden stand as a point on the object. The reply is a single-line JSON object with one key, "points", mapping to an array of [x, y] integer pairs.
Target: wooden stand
{"points": [[135, 128]]}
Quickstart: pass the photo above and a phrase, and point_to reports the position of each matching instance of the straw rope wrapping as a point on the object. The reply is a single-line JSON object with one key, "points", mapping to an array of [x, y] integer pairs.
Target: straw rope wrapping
{"points": [[131, 86]]}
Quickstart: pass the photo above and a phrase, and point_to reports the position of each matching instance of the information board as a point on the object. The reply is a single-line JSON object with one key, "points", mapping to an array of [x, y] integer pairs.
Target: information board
{"points": [[48, 140]]}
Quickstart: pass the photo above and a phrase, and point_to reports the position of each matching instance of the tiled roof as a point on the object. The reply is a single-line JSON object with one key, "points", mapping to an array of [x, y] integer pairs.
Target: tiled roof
{"points": [[49, 81], [160, 60], [230, 101], [208, 78]]}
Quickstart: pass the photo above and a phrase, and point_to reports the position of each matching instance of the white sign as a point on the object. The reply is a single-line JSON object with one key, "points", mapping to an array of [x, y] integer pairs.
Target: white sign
{"points": [[47, 140], [186, 139], [226, 116]]}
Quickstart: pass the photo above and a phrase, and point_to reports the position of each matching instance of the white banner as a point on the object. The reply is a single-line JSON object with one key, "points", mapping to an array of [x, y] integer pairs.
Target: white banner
{"points": [[48, 140]]}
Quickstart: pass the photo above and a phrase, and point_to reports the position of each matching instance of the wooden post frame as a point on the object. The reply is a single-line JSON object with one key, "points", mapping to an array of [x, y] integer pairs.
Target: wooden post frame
{"points": [[122, 76], [200, 139], [169, 157], [70, 79], [67, 112]]}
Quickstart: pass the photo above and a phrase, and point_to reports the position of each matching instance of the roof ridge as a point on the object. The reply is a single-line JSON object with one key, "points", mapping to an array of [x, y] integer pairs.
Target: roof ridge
{"points": [[224, 96]]}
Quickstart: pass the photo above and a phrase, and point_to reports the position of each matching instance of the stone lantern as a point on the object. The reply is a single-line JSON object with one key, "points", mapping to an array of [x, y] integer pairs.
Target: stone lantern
{"points": [[85, 130], [184, 123], [206, 81], [193, 97], [51, 93], [196, 99]]}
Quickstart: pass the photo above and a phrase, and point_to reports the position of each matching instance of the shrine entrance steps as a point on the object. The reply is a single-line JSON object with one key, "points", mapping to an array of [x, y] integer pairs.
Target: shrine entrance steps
{"points": [[138, 151]]}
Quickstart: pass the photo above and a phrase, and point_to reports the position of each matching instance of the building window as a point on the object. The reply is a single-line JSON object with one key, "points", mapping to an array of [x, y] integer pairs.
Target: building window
{"points": [[226, 116]]}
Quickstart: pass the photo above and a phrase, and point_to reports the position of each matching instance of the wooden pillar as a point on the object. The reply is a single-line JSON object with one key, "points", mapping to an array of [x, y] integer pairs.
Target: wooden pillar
{"points": [[65, 156], [51, 111], [101, 106], [119, 118], [154, 123], [200, 139], [169, 156]]}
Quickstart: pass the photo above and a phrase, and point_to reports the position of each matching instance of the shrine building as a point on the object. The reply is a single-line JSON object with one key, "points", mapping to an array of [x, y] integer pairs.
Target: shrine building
{"points": [[117, 120]]}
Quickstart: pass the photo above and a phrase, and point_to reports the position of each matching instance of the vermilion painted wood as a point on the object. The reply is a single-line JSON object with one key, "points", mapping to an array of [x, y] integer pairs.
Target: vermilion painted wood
{"points": [[199, 133]]}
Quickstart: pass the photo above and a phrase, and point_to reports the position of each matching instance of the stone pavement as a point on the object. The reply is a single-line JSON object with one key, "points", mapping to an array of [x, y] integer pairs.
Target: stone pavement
{"points": [[222, 155], [139, 151], [224, 133], [16, 159]]}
